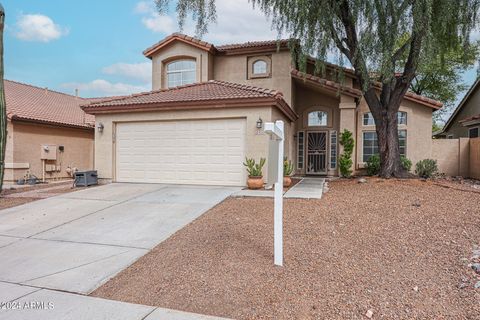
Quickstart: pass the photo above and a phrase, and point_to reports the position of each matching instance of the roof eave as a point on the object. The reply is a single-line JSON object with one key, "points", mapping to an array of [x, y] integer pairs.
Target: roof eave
{"points": [[194, 105], [51, 123]]}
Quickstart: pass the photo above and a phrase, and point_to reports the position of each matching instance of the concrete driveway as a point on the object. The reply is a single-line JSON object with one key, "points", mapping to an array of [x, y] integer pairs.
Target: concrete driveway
{"points": [[78, 241]]}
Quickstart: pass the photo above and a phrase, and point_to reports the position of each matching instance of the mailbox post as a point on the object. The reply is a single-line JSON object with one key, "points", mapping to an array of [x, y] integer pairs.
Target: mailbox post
{"points": [[275, 177]]}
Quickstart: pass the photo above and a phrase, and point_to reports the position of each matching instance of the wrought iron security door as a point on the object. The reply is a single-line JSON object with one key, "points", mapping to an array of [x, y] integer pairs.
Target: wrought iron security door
{"points": [[317, 152]]}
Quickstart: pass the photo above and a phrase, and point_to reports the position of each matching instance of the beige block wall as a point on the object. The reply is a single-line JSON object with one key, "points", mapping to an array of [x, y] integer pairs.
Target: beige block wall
{"points": [[180, 50], [256, 140], [474, 158], [452, 156], [28, 139], [419, 131], [234, 69]]}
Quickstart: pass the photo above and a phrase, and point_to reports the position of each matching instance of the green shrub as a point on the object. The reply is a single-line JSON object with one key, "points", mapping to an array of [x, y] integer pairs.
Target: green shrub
{"points": [[406, 163], [373, 165], [426, 168], [287, 167], [254, 169], [345, 160]]}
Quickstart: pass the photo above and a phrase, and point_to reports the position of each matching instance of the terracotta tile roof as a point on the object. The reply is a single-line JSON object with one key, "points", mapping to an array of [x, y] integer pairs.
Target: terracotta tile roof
{"points": [[208, 94], [358, 93], [30, 103], [283, 43], [475, 117], [330, 85]]}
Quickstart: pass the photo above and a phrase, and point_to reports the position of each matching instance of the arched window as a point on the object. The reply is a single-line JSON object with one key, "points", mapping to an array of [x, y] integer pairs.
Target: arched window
{"points": [[260, 67], [180, 72], [317, 118]]}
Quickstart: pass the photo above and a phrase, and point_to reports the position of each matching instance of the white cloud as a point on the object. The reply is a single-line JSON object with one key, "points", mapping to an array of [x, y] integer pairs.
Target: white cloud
{"points": [[143, 7], [138, 71], [237, 21], [38, 27], [102, 87]]}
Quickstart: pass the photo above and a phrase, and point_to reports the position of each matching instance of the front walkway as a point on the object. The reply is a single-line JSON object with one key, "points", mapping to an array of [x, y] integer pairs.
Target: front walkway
{"points": [[307, 188]]}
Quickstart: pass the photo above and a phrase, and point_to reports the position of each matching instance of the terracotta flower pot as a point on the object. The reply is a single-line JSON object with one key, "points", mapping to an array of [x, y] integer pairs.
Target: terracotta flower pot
{"points": [[255, 183], [287, 182]]}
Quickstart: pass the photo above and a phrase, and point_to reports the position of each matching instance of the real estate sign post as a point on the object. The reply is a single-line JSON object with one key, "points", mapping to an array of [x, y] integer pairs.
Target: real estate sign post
{"points": [[275, 176]]}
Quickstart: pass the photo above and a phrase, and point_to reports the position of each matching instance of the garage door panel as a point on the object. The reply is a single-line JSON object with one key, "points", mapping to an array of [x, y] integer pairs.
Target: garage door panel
{"points": [[190, 152]]}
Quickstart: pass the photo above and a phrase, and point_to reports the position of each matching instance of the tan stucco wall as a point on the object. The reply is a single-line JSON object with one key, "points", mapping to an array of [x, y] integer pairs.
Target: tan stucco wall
{"points": [[474, 158], [256, 142], [180, 50], [452, 156], [234, 69], [419, 131], [470, 108], [27, 141]]}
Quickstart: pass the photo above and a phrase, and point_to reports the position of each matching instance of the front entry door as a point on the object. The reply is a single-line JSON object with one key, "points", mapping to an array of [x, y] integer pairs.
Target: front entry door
{"points": [[317, 152]]}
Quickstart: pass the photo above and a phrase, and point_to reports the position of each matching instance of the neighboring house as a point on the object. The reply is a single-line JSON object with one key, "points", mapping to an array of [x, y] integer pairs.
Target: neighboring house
{"points": [[208, 104], [465, 120], [46, 124]]}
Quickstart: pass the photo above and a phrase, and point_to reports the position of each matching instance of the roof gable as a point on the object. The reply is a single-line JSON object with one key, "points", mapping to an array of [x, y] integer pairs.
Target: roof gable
{"points": [[470, 92], [149, 52]]}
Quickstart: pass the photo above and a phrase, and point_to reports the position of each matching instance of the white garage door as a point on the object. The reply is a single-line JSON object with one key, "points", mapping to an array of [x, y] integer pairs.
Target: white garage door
{"points": [[185, 152]]}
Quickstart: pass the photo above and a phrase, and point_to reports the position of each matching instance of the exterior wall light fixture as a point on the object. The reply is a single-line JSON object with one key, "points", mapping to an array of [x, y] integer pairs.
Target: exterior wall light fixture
{"points": [[100, 127], [259, 123]]}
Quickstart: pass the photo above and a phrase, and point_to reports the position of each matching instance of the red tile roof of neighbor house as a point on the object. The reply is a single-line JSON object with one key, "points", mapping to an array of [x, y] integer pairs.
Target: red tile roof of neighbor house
{"points": [[33, 104], [211, 94], [475, 117]]}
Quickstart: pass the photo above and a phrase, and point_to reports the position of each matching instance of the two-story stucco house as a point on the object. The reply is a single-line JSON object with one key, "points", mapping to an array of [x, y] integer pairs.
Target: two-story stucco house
{"points": [[208, 104]]}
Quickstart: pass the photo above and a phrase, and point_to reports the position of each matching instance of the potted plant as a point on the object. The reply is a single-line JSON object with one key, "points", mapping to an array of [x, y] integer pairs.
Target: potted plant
{"points": [[255, 176], [287, 172]]}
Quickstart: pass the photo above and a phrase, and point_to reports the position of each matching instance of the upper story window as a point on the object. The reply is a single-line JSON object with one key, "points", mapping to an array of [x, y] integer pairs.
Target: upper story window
{"points": [[260, 67], [317, 118], [473, 133], [181, 72], [369, 121]]}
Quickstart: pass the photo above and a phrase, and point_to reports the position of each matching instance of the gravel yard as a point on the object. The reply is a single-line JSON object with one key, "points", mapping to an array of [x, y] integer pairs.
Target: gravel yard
{"points": [[396, 249]]}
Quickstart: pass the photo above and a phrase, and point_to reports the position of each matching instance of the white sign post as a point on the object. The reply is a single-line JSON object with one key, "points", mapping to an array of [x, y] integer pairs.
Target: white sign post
{"points": [[275, 176]]}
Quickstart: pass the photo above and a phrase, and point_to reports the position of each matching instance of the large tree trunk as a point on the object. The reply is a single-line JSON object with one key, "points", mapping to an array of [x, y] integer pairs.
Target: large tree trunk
{"points": [[3, 104], [384, 111], [387, 133]]}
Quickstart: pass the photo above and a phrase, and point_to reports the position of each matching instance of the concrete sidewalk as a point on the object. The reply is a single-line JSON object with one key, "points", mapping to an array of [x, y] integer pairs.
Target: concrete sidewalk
{"points": [[29, 303]]}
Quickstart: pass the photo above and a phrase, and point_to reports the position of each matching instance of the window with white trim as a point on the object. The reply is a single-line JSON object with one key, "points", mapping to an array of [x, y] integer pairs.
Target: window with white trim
{"points": [[369, 121], [300, 149], [473, 132], [181, 72], [370, 144], [317, 118], [333, 149], [259, 67]]}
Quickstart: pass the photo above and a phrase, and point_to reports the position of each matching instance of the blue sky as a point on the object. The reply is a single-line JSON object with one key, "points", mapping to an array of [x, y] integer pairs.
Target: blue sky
{"points": [[96, 45]]}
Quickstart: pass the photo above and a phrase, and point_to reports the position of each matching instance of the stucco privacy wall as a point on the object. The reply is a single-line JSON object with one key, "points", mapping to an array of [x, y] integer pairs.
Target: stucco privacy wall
{"points": [[28, 139], [475, 158], [419, 131], [452, 156], [256, 143]]}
